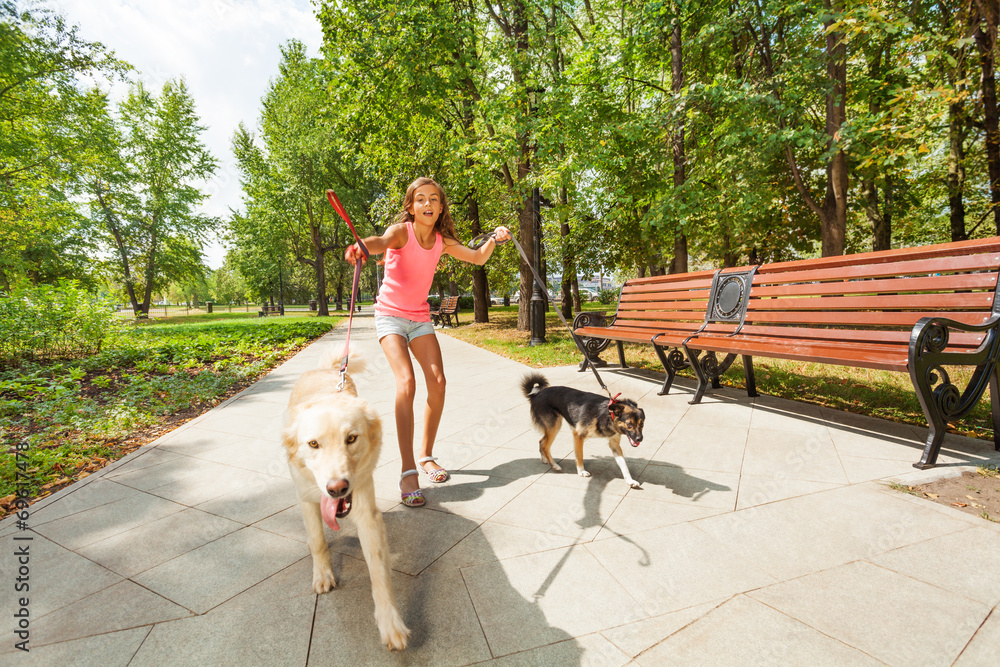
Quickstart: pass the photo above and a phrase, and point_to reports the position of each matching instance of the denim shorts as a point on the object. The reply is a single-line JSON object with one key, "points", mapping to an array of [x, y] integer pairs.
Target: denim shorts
{"points": [[408, 329]]}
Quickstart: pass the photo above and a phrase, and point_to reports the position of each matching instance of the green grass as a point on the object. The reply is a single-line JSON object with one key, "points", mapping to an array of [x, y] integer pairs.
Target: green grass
{"points": [[990, 471], [881, 394], [903, 488], [72, 417]]}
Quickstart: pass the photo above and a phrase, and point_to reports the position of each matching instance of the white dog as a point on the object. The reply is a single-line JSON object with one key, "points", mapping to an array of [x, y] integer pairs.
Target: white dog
{"points": [[333, 440]]}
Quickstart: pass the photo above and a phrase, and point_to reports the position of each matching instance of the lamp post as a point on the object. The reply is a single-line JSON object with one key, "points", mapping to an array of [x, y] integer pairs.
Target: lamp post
{"points": [[537, 300]]}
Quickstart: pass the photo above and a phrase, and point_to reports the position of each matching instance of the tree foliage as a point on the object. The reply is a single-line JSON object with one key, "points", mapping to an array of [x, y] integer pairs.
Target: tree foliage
{"points": [[141, 184], [737, 131], [44, 113]]}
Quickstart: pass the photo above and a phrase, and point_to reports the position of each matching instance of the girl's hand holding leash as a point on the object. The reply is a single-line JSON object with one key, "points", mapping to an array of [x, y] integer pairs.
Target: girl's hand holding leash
{"points": [[353, 253], [498, 236]]}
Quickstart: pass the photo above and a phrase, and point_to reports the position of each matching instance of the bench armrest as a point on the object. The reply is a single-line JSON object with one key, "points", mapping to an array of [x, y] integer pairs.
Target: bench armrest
{"points": [[592, 319], [928, 358], [929, 336]]}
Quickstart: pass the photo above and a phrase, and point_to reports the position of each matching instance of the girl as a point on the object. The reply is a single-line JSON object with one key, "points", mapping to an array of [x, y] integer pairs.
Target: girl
{"points": [[413, 245]]}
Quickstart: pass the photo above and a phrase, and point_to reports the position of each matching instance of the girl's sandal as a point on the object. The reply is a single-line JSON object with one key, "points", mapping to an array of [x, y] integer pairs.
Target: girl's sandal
{"points": [[411, 498], [436, 476]]}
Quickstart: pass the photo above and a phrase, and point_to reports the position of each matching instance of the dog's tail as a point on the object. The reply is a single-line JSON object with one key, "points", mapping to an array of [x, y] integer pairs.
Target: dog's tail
{"points": [[334, 357], [533, 383]]}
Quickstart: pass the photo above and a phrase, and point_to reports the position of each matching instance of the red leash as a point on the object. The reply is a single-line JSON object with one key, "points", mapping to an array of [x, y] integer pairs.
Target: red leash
{"points": [[339, 208]]}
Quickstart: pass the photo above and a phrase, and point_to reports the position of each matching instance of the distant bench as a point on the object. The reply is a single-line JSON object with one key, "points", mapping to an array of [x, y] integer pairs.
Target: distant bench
{"points": [[442, 314], [916, 310], [266, 310]]}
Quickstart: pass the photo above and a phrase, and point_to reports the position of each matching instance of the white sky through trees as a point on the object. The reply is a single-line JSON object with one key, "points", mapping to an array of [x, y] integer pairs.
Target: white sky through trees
{"points": [[226, 50]]}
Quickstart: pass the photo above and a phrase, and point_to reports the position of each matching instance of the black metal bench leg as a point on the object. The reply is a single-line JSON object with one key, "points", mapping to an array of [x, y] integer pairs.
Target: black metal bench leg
{"points": [[584, 364], [699, 372], [621, 354], [668, 367], [935, 421], [935, 435], [748, 376]]}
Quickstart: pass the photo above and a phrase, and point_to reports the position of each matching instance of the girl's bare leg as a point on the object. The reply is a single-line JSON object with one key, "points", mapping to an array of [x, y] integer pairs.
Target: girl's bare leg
{"points": [[428, 353], [398, 357]]}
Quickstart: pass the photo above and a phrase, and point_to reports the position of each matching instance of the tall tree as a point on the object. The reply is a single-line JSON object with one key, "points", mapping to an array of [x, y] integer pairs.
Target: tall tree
{"points": [[679, 264], [286, 174], [144, 198], [832, 209], [44, 112], [985, 17]]}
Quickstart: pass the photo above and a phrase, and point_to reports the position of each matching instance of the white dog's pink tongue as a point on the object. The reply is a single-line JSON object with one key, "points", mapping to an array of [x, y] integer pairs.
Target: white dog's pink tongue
{"points": [[328, 507]]}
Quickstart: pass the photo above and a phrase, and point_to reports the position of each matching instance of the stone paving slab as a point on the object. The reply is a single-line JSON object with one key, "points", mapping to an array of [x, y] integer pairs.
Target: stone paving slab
{"points": [[764, 533]]}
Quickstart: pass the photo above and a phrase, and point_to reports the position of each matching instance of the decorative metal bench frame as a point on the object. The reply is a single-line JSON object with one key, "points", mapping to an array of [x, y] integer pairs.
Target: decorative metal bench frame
{"points": [[915, 310]]}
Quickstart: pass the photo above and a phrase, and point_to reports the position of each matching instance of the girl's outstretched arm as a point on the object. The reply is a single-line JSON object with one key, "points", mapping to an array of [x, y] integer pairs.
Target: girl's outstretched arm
{"points": [[478, 257], [394, 237]]}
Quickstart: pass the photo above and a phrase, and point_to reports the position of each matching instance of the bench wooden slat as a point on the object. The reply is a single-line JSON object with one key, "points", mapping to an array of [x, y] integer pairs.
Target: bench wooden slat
{"points": [[959, 281], [638, 300], [665, 313], [873, 335], [936, 301], [957, 248], [659, 282], [899, 318], [837, 354], [887, 350], [808, 273]]}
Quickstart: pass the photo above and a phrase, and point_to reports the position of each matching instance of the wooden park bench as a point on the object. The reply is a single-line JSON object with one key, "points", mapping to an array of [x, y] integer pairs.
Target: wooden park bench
{"points": [[442, 314], [916, 310], [267, 309], [667, 308]]}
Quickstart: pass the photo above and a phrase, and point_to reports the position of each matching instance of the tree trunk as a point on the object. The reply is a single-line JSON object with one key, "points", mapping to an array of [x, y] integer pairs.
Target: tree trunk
{"points": [[876, 214], [147, 294], [879, 217], [525, 216], [526, 228], [568, 263], [679, 264], [115, 230], [956, 170], [480, 283], [729, 256], [985, 15], [834, 229], [832, 213], [315, 235]]}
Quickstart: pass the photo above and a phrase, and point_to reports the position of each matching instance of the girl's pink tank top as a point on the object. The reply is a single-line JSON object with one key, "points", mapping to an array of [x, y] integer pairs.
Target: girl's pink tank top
{"points": [[409, 273]]}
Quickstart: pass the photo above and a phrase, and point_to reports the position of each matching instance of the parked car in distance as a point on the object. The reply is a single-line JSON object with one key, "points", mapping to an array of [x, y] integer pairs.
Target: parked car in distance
{"points": [[497, 299]]}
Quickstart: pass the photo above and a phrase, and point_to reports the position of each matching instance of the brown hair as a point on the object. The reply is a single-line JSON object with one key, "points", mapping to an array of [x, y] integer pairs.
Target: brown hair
{"points": [[444, 225]]}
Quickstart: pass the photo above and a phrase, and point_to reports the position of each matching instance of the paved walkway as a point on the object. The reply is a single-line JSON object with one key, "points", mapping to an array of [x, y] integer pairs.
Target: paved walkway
{"points": [[764, 534]]}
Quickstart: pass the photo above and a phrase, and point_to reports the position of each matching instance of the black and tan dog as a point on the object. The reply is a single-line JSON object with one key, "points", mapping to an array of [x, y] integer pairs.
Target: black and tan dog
{"points": [[590, 415]]}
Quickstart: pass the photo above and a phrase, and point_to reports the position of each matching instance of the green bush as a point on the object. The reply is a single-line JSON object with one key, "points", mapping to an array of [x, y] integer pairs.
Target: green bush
{"points": [[69, 413], [464, 302], [53, 322], [607, 296]]}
